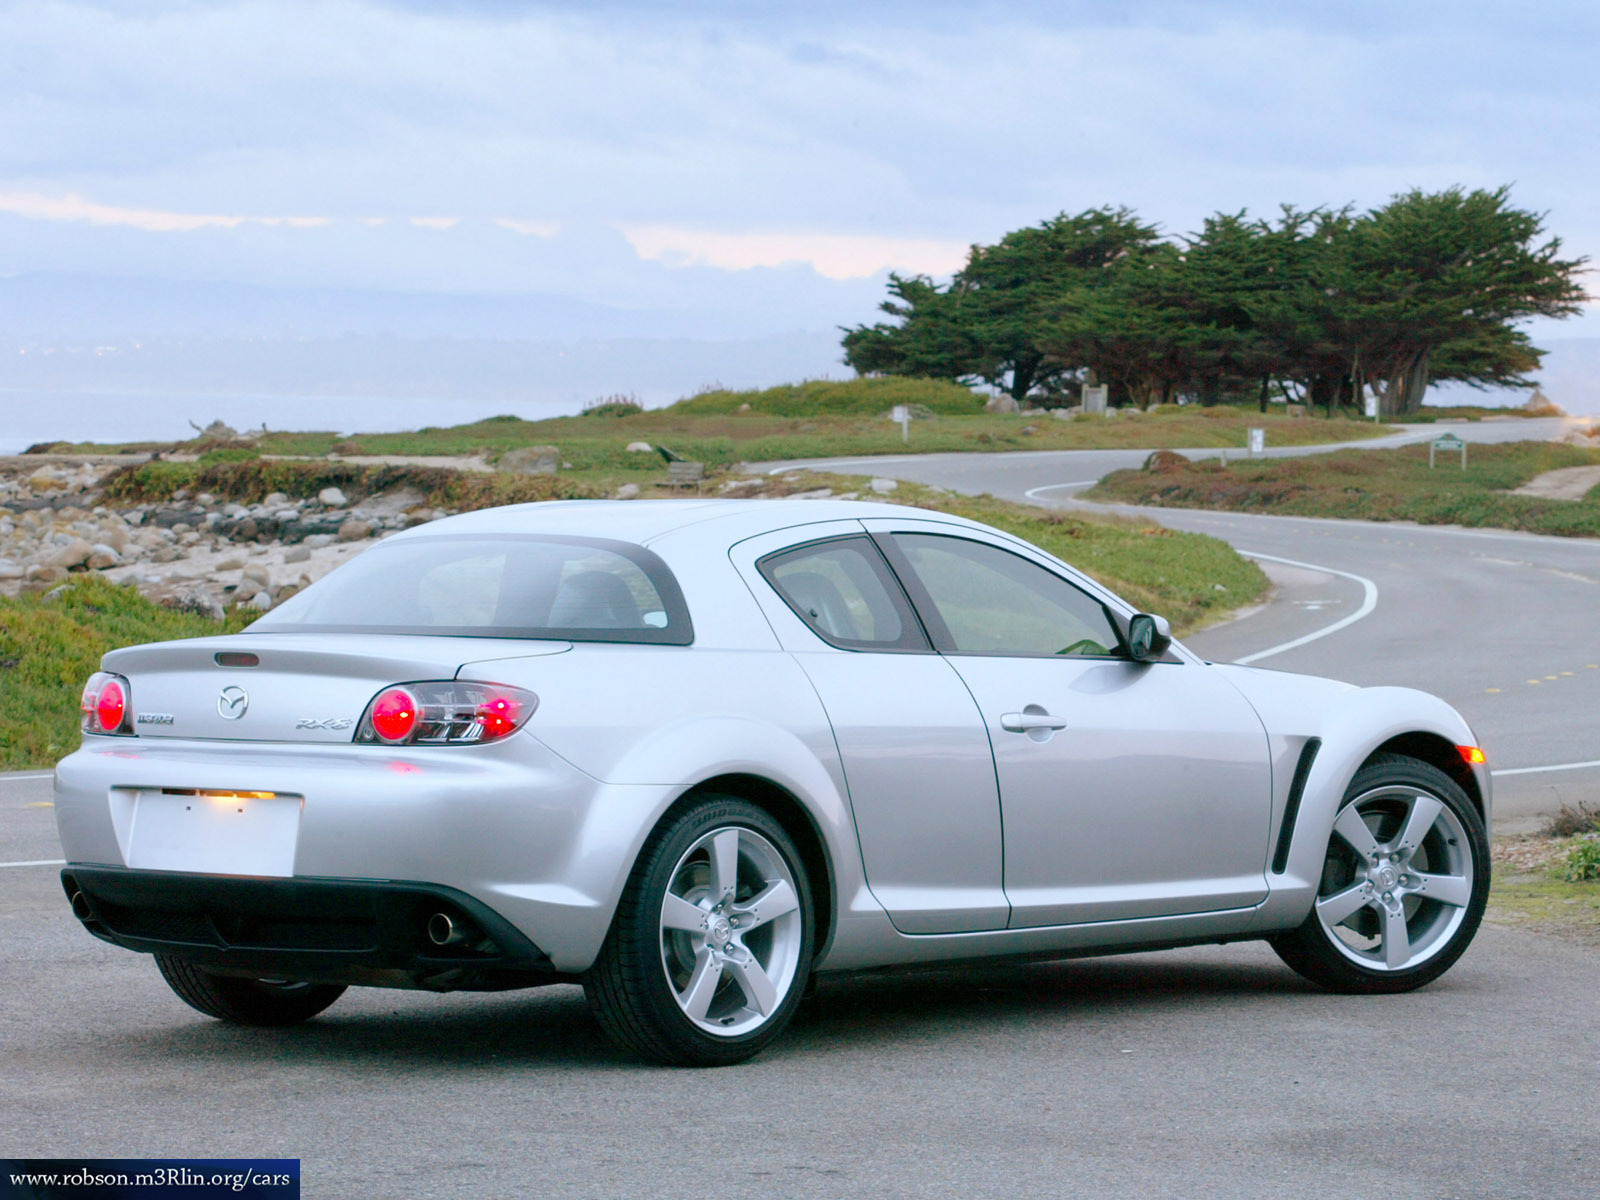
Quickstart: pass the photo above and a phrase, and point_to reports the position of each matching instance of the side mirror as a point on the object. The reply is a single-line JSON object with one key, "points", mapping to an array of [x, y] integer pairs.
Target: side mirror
{"points": [[1148, 637]]}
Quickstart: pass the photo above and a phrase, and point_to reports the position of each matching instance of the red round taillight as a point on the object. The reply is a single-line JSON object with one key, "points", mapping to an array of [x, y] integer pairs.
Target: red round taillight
{"points": [[109, 706], [394, 715], [499, 716]]}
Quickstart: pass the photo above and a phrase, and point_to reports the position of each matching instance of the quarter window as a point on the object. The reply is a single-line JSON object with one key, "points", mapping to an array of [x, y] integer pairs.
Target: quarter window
{"points": [[998, 603], [843, 590]]}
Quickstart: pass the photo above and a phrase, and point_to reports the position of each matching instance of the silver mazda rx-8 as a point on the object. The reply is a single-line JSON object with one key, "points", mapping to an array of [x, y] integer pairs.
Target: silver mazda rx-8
{"points": [[691, 753]]}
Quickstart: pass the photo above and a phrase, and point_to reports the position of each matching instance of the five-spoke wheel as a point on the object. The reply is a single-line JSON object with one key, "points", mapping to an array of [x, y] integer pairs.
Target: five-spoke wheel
{"points": [[1403, 884], [712, 943]]}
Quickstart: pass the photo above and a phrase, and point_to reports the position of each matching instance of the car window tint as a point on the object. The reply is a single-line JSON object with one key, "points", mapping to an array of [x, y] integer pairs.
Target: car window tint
{"points": [[575, 588], [996, 602], [843, 590]]}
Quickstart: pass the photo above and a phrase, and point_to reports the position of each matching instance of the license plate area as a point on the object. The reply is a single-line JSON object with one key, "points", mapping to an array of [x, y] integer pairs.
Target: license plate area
{"points": [[214, 832]]}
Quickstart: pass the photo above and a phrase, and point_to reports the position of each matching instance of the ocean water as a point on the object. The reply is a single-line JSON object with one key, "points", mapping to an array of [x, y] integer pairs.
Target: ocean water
{"points": [[28, 417]]}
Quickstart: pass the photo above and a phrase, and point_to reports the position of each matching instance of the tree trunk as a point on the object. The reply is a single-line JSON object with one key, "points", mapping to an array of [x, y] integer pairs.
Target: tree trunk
{"points": [[1324, 390], [1263, 397]]}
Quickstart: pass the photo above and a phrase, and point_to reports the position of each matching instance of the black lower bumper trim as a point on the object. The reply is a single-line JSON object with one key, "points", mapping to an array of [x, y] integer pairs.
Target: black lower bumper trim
{"points": [[330, 930]]}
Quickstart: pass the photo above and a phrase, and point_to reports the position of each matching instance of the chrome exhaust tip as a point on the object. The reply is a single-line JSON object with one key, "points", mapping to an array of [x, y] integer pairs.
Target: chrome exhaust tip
{"points": [[80, 906], [443, 930]]}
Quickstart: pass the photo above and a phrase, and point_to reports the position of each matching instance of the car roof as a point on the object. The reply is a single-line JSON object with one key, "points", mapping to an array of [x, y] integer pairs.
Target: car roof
{"points": [[644, 521]]}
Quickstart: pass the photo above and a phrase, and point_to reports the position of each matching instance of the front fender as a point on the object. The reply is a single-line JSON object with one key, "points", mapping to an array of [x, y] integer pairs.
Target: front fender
{"points": [[1351, 728]]}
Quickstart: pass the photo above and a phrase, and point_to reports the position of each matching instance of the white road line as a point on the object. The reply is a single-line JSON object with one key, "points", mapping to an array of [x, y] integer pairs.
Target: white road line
{"points": [[1033, 493], [20, 778], [1577, 766], [1368, 603], [38, 862]]}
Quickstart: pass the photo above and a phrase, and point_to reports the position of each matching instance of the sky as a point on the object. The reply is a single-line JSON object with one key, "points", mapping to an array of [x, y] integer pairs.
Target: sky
{"points": [[747, 167]]}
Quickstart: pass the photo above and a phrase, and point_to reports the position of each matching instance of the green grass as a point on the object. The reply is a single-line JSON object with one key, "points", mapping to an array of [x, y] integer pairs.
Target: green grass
{"points": [[48, 648], [1547, 901], [1377, 485]]}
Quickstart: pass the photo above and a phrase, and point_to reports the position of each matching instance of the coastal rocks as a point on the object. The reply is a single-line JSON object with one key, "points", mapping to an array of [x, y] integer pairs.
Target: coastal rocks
{"points": [[354, 530], [332, 497], [74, 554]]}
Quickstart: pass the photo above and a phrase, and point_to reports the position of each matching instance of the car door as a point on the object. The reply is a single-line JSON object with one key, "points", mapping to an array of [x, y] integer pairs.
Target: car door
{"points": [[1128, 789], [915, 755]]}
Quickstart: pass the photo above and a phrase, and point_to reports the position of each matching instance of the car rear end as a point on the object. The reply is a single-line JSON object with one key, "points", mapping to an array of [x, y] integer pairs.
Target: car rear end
{"points": [[342, 794]]}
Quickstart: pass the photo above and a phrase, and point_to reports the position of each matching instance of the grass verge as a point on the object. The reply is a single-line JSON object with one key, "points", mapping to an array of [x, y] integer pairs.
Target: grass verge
{"points": [[1548, 885], [1375, 485]]}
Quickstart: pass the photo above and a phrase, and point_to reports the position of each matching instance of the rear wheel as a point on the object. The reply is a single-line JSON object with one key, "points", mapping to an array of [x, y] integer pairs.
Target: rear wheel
{"points": [[246, 1001], [711, 947], [1403, 885]]}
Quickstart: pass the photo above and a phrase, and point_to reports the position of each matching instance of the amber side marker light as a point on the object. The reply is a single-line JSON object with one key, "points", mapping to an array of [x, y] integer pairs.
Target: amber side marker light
{"points": [[1471, 754]]}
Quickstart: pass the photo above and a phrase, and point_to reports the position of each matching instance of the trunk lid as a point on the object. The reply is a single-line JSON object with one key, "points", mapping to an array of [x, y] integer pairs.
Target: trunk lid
{"points": [[302, 688]]}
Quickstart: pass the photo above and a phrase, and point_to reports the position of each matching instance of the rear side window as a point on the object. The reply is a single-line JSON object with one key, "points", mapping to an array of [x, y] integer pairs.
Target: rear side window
{"points": [[574, 589], [843, 590]]}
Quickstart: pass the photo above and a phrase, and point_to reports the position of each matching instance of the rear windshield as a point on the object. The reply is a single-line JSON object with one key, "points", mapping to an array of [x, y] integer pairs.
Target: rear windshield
{"points": [[573, 589]]}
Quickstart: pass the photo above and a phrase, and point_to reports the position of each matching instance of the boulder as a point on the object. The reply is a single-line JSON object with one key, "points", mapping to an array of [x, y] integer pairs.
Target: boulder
{"points": [[45, 480], [353, 530], [102, 557], [640, 447], [1001, 404], [296, 554], [332, 497], [257, 574], [1165, 460], [318, 540], [273, 500], [74, 554], [531, 460], [44, 573], [883, 486], [628, 491]]}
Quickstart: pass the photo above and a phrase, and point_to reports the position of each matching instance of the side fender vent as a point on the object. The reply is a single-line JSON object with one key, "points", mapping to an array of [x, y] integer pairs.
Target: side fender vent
{"points": [[1291, 808]]}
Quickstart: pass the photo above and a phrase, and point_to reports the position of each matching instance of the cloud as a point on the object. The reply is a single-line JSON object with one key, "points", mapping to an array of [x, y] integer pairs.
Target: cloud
{"points": [[40, 207], [435, 222], [834, 256], [544, 229]]}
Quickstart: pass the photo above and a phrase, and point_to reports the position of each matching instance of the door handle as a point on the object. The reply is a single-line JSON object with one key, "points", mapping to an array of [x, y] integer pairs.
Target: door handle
{"points": [[1025, 722]]}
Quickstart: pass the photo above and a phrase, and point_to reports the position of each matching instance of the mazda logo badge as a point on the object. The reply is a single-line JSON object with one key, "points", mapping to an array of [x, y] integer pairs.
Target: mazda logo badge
{"points": [[232, 703]]}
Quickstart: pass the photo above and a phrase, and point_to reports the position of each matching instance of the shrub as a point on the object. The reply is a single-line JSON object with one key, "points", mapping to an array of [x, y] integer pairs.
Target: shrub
{"points": [[866, 396], [613, 406], [1583, 861], [1571, 820]]}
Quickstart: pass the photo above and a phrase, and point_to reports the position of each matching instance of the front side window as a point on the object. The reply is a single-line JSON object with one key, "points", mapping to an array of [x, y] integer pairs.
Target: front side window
{"points": [[573, 589], [842, 589], [994, 602]]}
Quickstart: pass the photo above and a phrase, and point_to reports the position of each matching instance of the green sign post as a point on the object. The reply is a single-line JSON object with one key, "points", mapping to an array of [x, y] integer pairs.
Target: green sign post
{"points": [[1448, 441]]}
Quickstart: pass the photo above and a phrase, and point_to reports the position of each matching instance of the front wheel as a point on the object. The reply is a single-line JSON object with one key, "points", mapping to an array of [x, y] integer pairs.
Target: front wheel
{"points": [[245, 1001], [1403, 886], [711, 947]]}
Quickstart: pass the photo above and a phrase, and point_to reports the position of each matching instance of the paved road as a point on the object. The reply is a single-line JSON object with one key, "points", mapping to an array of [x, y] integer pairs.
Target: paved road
{"points": [[1211, 1072], [1502, 625], [1191, 1073]]}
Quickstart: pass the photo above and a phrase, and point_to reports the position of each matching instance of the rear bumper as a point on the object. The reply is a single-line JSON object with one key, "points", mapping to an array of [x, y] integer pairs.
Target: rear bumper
{"points": [[327, 930], [510, 826]]}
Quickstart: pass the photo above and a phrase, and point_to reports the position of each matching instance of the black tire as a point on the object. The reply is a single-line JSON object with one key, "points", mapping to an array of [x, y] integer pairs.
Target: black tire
{"points": [[630, 988], [1329, 953], [245, 1001]]}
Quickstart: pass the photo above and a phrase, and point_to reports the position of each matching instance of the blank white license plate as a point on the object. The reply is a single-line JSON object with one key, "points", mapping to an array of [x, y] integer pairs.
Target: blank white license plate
{"points": [[217, 833]]}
